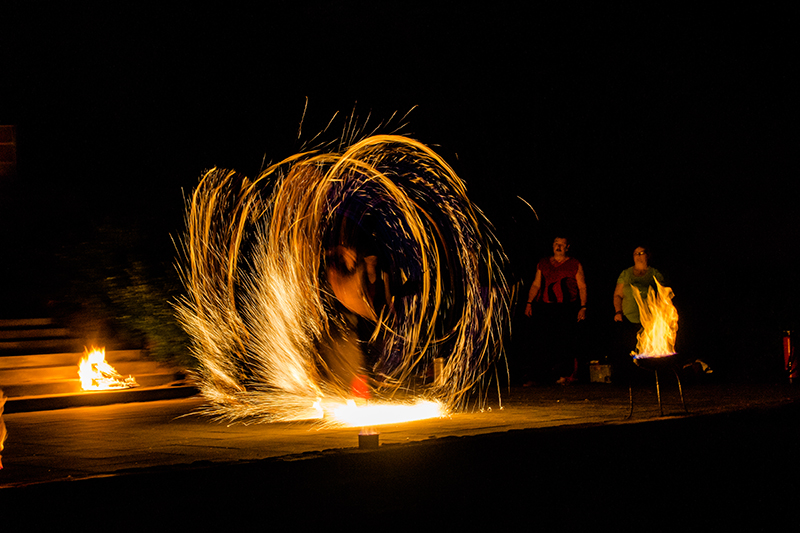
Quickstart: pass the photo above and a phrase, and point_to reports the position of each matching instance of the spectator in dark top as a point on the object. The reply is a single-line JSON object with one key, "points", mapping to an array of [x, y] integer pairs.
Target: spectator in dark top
{"points": [[557, 299]]}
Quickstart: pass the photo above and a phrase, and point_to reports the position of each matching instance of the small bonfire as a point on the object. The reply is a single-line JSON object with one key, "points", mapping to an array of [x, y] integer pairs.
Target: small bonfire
{"points": [[97, 374]]}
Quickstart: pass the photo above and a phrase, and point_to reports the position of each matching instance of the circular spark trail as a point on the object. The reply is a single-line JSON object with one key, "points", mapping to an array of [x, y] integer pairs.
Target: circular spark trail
{"points": [[331, 266]]}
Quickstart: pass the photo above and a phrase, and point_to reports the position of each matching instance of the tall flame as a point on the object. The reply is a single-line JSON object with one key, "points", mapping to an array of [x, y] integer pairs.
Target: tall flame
{"points": [[659, 322]]}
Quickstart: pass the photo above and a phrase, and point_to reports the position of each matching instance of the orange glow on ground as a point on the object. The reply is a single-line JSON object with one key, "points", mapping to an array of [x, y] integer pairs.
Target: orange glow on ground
{"points": [[349, 413], [378, 414]]}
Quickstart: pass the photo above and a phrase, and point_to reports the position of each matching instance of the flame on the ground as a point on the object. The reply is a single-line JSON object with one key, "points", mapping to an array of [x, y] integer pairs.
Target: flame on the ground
{"points": [[348, 413], [264, 291], [97, 374], [2, 426], [659, 320]]}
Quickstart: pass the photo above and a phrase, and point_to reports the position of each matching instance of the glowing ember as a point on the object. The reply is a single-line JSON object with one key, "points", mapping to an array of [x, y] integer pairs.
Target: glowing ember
{"points": [[97, 374], [659, 322]]}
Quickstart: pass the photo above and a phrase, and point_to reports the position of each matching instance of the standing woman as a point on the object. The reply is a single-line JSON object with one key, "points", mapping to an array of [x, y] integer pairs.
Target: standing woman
{"points": [[642, 276]]}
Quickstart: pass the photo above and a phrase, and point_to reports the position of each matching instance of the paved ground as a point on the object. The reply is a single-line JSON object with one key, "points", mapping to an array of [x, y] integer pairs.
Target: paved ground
{"points": [[549, 454]]}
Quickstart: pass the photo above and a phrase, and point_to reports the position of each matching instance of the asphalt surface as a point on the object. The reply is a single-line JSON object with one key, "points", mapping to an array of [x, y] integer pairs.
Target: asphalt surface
{"points": [[566, 457]]}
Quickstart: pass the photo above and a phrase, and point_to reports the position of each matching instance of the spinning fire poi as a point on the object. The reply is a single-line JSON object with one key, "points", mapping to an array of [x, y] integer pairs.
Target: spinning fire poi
{"points": [[339, 275]]}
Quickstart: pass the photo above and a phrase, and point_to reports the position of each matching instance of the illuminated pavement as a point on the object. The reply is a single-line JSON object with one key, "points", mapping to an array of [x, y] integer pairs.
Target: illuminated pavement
{"points": [[564, 448]]}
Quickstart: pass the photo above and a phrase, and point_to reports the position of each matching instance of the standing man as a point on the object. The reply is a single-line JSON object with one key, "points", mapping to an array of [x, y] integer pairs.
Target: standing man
{"points": [[559, 294]]}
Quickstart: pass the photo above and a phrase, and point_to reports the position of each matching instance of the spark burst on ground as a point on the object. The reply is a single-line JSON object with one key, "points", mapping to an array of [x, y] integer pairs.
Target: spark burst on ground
{"points": [[368, 260]]}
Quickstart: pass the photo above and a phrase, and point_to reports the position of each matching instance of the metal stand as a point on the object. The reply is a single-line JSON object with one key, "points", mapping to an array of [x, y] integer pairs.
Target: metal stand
{"points": [[658, 393]]}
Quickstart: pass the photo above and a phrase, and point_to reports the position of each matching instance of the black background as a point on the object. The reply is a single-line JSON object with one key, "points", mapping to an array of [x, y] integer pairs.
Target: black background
{"points": [[619, 124]]}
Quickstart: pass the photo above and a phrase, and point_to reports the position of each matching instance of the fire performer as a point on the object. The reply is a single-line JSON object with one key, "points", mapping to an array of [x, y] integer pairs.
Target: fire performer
{"points": [[559, 286], [344, 270], [642, 276]]}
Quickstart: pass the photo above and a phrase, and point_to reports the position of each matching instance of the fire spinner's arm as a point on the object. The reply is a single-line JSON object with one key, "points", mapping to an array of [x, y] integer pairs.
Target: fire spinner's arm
{"points": [[537, 282]]}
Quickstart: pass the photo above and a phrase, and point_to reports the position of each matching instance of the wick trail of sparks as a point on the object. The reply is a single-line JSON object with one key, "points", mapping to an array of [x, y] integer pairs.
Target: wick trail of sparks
{"points": [[334, 265]]}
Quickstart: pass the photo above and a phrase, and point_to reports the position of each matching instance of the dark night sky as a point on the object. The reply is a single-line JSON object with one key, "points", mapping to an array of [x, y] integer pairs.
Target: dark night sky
{"points": [[674, 126]]}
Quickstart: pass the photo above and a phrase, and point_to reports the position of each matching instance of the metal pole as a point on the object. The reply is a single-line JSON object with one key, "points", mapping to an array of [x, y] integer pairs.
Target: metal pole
{"points": [[658, 393]]}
